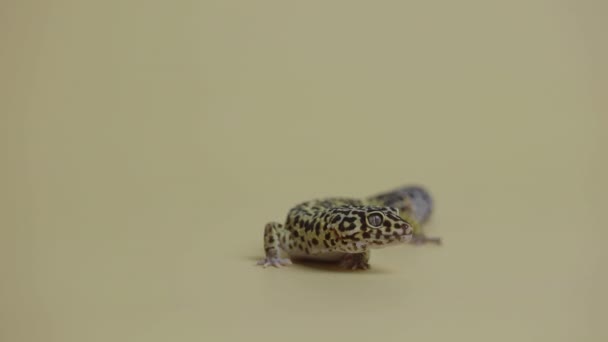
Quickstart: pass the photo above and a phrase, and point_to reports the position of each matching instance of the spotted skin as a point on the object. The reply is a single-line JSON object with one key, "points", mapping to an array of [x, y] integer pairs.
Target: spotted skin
{"points": [[311, 233], [344, 230]]}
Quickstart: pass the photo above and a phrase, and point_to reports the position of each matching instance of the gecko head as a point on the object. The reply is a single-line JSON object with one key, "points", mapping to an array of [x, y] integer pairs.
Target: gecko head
{"points": [[359, 228]]}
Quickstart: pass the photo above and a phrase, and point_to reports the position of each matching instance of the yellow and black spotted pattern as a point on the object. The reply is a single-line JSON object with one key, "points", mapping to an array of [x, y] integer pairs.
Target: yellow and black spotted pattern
{"points": [[344, 230]]}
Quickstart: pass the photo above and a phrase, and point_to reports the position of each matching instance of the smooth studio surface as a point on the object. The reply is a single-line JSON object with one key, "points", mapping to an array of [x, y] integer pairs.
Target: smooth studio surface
{"points": [[145, 146]]}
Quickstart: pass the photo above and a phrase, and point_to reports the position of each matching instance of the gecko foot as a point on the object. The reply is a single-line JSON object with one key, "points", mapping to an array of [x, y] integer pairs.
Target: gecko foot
{"points": [[276, 262], [354, 262]]}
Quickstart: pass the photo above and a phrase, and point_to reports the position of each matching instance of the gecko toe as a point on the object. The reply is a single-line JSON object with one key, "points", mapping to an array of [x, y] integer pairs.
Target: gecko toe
{"points": [[276, 262]]}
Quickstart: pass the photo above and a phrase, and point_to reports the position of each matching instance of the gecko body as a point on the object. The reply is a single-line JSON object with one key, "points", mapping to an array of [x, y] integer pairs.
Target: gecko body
{"points": [[345, 229]]}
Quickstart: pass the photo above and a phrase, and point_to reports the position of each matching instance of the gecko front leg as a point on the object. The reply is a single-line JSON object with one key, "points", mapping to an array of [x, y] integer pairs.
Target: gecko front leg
{"points": [[273, 232]]}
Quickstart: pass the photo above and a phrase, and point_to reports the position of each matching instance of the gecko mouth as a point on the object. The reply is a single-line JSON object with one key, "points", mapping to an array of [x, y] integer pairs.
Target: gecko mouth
{"points": [[408, 233]]}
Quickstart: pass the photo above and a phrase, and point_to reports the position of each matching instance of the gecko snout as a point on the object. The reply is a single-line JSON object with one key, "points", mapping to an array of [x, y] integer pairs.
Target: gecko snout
{"points": [[408, 232]]}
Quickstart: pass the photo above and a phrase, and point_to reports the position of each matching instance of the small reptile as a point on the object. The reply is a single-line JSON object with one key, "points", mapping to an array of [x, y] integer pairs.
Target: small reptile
{"points": [[345, 229]]}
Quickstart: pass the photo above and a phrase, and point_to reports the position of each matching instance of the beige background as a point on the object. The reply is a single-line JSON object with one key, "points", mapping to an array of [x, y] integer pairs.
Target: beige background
{"points": [[145, 145]]}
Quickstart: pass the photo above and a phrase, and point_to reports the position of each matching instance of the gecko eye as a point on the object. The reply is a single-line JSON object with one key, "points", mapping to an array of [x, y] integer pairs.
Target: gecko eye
{"points": [[375, 219]]}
